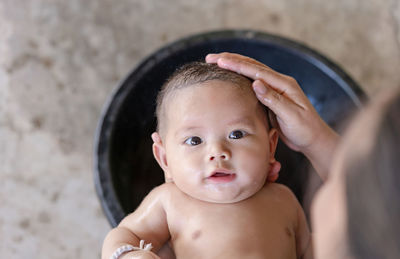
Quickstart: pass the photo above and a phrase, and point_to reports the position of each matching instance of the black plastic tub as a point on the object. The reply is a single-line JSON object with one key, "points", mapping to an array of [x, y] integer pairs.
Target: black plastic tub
{"points": [[124, 167]]}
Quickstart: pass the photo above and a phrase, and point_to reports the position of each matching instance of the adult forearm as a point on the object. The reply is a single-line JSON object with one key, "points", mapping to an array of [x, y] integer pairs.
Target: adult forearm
{"points": [[322, 151]]}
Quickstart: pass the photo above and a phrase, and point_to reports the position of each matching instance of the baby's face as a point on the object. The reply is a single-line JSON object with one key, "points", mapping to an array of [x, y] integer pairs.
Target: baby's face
{"points": [[217, 142]]}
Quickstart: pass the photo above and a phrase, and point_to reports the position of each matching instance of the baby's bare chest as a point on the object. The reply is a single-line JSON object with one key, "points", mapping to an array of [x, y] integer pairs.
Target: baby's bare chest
{"points": [[231, 230]]}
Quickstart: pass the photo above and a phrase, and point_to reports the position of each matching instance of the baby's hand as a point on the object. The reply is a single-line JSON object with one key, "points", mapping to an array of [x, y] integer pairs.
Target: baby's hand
{"points": [[141, 254], [297, 121]]}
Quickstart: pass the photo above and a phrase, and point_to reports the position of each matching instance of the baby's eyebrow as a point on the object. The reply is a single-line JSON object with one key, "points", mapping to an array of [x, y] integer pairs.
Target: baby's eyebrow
{"points": [[242, 121], [185, 129]]}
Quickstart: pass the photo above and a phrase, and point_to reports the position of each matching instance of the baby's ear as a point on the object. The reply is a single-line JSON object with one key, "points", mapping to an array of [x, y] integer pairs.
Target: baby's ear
{"points": [[274, 166], [273, 142], [160, 155]]}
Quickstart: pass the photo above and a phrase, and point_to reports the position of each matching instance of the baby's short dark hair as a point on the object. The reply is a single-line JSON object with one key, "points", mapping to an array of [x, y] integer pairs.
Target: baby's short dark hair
{"points": [[195, 73]]}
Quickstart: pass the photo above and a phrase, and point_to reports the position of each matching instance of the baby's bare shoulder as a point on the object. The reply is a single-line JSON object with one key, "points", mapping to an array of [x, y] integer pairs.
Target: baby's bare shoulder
{"points": [[162, 191], [277, 187], [166, 194], [158, 195], [156, 200], [281, 192]]}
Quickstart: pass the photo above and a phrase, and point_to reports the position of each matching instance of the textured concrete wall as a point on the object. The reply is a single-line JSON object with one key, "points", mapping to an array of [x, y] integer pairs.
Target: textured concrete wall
{"points": [[59, 60]]}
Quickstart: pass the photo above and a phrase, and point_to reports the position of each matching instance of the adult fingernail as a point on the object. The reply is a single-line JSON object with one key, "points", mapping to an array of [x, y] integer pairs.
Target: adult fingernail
{"points": [[259, 87], [210, 56], [224, 63]]}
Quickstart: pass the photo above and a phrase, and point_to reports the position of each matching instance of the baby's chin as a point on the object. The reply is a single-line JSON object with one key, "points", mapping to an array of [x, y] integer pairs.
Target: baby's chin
{"points": [[223, 197]]}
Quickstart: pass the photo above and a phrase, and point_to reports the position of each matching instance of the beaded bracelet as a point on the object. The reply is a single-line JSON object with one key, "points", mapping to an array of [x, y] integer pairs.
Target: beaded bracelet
{"points": [[128, 248]]}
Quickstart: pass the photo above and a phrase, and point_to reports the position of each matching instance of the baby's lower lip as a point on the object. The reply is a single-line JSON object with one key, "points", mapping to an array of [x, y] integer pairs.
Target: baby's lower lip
{"points": [[221, 178]]}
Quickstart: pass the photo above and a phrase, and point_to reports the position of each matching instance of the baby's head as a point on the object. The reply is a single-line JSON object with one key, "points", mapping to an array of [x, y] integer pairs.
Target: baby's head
{"points": [[190, 75], [213, 140]]}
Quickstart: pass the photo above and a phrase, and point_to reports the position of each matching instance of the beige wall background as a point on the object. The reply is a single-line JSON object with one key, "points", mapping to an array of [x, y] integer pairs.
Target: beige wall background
{"points": [[59, 60]]}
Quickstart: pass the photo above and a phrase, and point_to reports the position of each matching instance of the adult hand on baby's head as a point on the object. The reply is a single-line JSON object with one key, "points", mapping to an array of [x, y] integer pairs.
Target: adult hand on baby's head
{"points": [[281, 94], [295, 118]]}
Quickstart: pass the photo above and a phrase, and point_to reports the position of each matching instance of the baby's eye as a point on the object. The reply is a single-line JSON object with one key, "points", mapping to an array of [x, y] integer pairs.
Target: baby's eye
{"points": [[237, 134], [193, 141]]}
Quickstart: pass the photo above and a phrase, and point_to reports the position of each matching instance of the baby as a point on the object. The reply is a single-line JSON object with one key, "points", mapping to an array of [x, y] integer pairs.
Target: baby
{"points": [[216, 149]]}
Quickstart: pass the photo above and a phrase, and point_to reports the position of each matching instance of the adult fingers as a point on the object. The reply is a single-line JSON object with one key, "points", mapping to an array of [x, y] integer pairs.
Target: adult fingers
{"points": [[213, 58], [279, 104], [256, 70], [281, 83]]}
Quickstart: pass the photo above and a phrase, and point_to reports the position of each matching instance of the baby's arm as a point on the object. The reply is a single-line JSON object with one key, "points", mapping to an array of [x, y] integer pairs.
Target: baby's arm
{"points": [[303, 236], [148, 222]]}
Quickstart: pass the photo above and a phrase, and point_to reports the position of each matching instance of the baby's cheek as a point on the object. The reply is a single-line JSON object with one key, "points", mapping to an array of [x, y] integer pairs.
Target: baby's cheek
{"points": [[261, 153], [256, 160]]}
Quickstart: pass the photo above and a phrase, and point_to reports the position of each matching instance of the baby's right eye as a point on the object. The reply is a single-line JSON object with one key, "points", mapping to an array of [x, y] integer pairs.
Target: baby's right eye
{"points": [[193, 141]]}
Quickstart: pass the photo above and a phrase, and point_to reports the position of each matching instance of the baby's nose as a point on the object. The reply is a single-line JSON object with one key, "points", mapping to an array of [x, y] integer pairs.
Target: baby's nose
{"points": [[219, 152], [219, 156]]}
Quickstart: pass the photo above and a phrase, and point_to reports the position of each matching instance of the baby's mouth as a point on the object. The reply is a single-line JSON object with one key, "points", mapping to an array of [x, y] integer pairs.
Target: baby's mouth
{"points": [[223, 176], [218, 174]]}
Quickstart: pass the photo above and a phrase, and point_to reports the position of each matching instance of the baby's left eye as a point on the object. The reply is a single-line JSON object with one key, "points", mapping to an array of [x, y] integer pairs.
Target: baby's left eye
{"points": [[237, 134]]}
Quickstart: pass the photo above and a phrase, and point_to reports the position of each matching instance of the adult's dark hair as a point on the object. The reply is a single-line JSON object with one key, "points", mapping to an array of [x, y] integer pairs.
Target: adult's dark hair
{"points": [[373, 188]]}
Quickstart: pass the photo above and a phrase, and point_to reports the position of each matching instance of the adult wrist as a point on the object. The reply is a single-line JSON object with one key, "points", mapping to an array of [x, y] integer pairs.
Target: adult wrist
{"points": [[322, 150]]}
